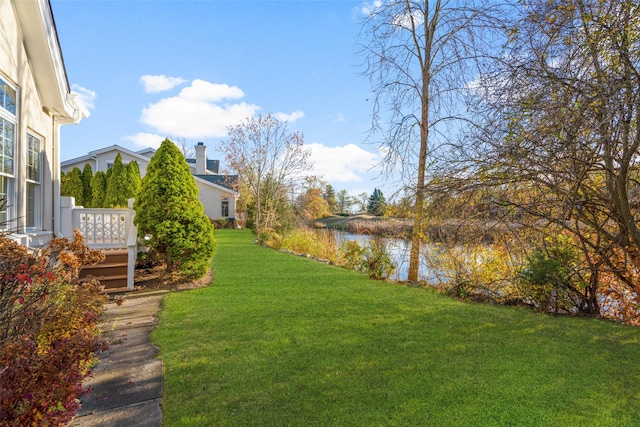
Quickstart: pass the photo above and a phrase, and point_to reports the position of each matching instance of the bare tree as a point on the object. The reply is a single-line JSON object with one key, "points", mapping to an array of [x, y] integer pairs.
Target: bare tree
{"points": [[361, 200], [267, 157], [420, 57], [187, 151], [563, 131]]}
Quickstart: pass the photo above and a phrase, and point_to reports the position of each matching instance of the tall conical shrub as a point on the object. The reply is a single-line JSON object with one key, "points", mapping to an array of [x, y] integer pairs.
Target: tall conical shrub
{"points": [[169, 212], [117, 184], [134, 180], [87, 176], [98, 189], [71, 186]]}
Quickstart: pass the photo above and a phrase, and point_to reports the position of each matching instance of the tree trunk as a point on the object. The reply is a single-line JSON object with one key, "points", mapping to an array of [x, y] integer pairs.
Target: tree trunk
{"points": [[419, 212], [417, 234]]}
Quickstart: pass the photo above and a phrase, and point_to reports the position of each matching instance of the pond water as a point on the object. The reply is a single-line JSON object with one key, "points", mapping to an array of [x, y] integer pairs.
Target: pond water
{"points": [[398, 249]]}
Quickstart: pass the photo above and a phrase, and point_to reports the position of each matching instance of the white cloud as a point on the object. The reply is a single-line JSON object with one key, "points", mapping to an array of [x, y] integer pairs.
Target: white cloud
{"points": [[369, 7], [284, 117], [337, 118], [161, 83], [196, 112], [145, 140], [343, 164], [201, 90], [86, 96], [402, 18]]}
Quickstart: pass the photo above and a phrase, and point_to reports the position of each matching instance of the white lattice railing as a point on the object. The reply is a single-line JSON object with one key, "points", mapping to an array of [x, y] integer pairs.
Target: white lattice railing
{"points": [[103, 228]]}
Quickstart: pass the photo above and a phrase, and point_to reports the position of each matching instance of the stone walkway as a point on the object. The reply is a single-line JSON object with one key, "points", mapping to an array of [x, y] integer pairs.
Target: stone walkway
{"points": [[127, 382]]}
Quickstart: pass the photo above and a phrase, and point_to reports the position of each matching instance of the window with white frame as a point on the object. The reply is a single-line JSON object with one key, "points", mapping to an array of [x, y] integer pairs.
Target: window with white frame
{"points": [[225, 208], [7, 150], [33, 182], [7, 97]]}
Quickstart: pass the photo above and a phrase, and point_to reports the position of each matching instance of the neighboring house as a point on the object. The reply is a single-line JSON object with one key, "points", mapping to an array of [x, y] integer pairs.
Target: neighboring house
{"points": [[35, 101], [216, 191]]}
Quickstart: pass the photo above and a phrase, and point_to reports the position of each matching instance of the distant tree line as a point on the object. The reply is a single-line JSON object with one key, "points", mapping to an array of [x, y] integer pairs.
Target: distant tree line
{"points": [[109, 189]]}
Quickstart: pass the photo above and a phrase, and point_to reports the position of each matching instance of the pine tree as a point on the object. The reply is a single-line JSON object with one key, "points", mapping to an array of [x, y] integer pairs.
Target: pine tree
{"points": [[330, 197], [344, 201], [376, 203], [117, 185], [87, 176], [169, 211], [71, 186], [98, 190]]}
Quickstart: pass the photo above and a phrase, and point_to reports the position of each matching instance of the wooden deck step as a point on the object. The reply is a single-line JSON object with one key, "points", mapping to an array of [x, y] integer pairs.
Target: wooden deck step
{"points": [[112, 272], [118, 290]]}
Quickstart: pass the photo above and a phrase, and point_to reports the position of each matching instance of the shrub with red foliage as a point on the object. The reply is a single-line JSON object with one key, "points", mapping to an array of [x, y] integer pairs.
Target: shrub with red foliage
{"points": [[48, 330]]}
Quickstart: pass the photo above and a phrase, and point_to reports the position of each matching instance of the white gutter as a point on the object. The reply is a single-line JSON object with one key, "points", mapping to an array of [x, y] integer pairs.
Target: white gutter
{"points": [[79, 112]]}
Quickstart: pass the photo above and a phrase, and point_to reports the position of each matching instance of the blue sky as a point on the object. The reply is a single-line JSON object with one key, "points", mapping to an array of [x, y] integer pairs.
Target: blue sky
{"points": [[186, 69]]}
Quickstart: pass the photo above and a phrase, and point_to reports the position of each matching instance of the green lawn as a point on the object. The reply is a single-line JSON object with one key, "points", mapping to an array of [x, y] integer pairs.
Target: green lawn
{"points": [[280, 340]]}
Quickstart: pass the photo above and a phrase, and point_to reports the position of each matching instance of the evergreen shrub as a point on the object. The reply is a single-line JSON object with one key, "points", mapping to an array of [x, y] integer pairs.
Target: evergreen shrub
{"points": [[171, 216]]}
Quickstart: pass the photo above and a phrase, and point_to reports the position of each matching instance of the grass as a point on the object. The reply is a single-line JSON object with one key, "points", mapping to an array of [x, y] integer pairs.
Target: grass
{"points": [[279, 340]]}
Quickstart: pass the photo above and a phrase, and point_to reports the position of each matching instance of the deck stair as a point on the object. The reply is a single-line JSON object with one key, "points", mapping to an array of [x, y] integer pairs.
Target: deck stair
{"points": [[112, 272], [109, 230]]}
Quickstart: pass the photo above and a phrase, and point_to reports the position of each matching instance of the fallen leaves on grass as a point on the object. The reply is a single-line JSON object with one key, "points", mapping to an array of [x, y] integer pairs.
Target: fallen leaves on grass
{"points": [[156, 277]]}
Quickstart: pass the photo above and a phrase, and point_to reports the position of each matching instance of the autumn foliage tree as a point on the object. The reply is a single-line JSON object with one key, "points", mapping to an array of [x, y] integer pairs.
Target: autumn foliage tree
{"points": [[561, 138], [170, 214], [48, 330], [267, 157], [420, 57], [312, 205]]}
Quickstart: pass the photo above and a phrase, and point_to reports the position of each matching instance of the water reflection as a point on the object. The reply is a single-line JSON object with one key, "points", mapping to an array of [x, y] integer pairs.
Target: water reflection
{"points": [[398, 249]]}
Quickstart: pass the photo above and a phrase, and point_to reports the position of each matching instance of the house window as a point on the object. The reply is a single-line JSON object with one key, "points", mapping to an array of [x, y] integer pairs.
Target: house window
{"points": [[225, 208], [7, 150], [7, 138], [33, 181], [7, 97], [4, 203]]}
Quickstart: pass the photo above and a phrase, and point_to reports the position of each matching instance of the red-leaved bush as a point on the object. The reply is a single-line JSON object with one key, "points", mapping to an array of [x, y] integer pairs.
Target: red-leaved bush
{"points": [[48, 330]]}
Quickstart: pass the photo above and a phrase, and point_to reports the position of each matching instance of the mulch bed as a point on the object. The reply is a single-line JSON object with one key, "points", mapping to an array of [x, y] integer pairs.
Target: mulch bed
{"points": [[153, 277]]}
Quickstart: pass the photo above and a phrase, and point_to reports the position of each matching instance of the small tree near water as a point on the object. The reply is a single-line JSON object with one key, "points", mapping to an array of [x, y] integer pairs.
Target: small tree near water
{"points": [[169, 212]]}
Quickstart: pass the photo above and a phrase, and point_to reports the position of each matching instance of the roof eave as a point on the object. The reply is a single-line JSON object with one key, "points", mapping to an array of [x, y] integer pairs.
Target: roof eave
{"points": [[41, 42]]}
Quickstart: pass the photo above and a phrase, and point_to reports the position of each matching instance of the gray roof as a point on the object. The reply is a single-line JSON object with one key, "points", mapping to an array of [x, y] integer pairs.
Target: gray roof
{"points": [[212, 165], [227, 181]]}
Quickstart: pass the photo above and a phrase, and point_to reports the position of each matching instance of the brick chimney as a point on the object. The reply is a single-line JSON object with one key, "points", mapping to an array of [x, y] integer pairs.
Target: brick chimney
{"points": [[201, 159]]}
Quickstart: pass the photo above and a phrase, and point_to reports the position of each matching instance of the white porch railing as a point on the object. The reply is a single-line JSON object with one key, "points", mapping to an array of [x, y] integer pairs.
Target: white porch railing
{"points": [[102, 229]]}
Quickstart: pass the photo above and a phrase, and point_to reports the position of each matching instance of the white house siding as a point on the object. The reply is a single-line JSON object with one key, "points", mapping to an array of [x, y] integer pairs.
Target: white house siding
{"points": [[104, 159], [101, 161], [211, 198], [31, 63], [210, 194], [15, 69]]}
